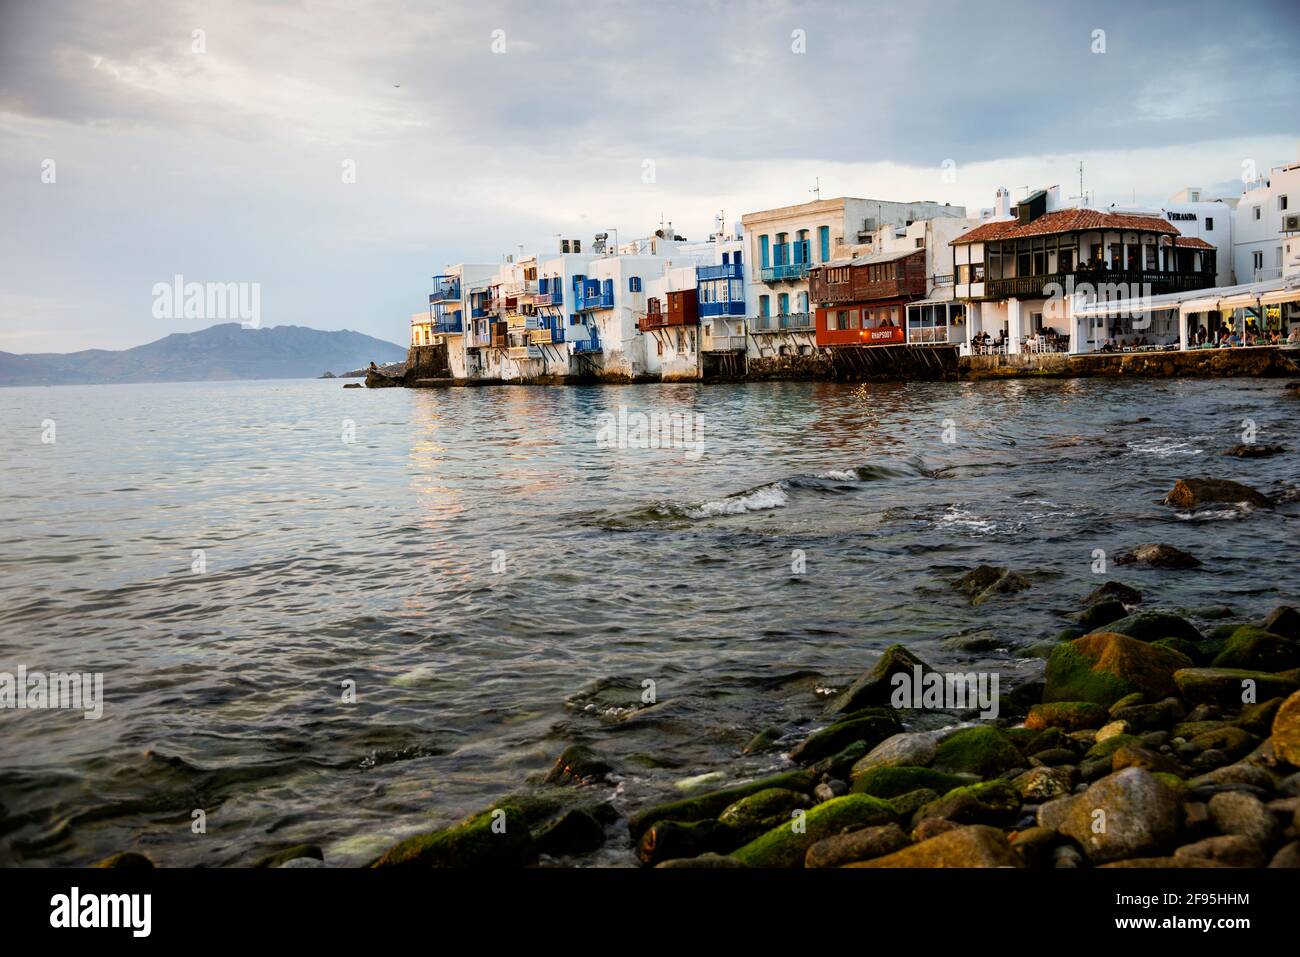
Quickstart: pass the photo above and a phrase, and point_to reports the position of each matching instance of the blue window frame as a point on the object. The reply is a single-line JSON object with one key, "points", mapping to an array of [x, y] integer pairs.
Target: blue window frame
{"points": [[634, 284], [824, 243], [765, 250]]}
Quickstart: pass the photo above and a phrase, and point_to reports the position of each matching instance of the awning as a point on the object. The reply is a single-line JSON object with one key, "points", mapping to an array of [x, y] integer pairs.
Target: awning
{"points": [[1198, 300]]}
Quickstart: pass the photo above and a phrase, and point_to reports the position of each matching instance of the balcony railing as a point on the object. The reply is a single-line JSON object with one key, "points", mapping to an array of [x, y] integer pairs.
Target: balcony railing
{"points": [[723, 271], [789, 272], [445, 288], [795, 322], [724, 344], [587, 346], [1160, 282], [584, 301], [730, 307], [448, 324]]}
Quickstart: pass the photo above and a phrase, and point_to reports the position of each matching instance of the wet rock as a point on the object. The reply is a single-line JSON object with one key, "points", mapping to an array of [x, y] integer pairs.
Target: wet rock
{"points": [[975, 845], [578, 764], [1067, 715], [1258, 718], [1133, 756], [577, 831], [1158, 555], [1056, 812], [1146, 717], [763, 811], [704, 860], [874, 688], [280, 858], [710, 805], [1111, 729], [1196, 492], [1231, 849], [1126, 814], [1255, 649], [127, 860], [302, 863], [1153, 625], [1191, 650], [1104, 667], [1067, 856], [1055, 757], [1233, 742], [988, 581], [839, 765], [1235, 812], [1035, 845], [1288, 856], [889, 782], [668, 840], [1286, 731], [1045, 783], [1102, 613], [830, 789], [870, 727], [1226, 686], [763, 740], [1284, 621], [860, 845], [498, 837], [980, 750], [908, 804], [916, 749], [991, 802], [786, 845], [1114, 591], [1253, 451], [932, 827]]}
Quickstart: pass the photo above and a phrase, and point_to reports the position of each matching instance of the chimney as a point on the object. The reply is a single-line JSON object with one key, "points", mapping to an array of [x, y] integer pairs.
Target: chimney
{"points": [[1002, 207]]}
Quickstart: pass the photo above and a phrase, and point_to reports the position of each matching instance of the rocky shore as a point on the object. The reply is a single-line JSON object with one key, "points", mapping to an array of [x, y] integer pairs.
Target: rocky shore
{"points": [[1153, 737]]}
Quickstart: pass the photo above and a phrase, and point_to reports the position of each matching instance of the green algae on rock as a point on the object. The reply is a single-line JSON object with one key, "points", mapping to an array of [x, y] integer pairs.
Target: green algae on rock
{"points": [[787, 845], [1105, 666], [497, 837]]}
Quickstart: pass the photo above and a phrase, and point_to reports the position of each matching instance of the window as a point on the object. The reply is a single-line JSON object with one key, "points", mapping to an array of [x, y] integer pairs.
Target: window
{"points": [[765, 251], [1281, 203], [1257, 260], [764, 305], [738, 259], [824, 242], [1209, 224], [783, 304], [634, 284], [920, 242], [1257, 212]]}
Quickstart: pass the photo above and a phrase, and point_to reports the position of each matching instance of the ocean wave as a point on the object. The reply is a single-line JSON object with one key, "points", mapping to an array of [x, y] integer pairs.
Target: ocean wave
{"points": [[1165, 446], [1239, 510], [759, 499]]}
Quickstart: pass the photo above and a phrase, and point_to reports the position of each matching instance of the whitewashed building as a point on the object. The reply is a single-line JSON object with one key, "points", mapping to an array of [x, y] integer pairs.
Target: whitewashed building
{"points": [[1263, 247]]}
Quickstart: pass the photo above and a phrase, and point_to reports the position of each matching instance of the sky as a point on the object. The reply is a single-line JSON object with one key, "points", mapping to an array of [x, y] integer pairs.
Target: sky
{"points": [[338, 154]]}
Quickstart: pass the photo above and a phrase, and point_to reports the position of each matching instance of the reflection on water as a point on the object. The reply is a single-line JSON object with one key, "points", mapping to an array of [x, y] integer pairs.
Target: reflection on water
{"points": [[373, 562]]}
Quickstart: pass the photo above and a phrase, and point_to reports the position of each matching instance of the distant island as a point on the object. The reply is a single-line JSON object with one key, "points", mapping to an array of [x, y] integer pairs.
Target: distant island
{"points": [[222, 352]]}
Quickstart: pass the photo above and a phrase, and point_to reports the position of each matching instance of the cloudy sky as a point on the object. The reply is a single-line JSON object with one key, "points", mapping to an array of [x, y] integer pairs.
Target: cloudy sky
{"points": [[474, 128]]}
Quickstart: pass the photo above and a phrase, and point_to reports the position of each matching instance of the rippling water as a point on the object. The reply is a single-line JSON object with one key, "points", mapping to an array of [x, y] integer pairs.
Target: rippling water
{"points": [[373, 561]]}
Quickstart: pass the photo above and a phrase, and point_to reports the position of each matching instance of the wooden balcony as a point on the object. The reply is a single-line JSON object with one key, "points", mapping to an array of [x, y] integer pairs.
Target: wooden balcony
{"points": [[1136, 281]]}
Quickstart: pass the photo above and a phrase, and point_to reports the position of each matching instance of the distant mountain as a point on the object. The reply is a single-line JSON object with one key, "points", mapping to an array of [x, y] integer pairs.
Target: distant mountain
{"points": [[227, 351]]}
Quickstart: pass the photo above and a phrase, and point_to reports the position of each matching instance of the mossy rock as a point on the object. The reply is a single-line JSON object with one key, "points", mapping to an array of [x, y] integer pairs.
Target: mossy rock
{"points": [[497, 837], [764, 810], [1258, 718], [1190, 649], [578, 764], [894, 781], [980, 750], [841, 764], [1258, 650], [671, 840], [786, 845], [763, 740], [577, 831], [1114, 591], [1105, 666], [290, 854], [710, 805], [989, 802], [871, 727], [875, 688], [1232, 741], [1104, 749], [1152, 626], [1066, 715], [1284, 621], [1226, 686], [1102, 613]]}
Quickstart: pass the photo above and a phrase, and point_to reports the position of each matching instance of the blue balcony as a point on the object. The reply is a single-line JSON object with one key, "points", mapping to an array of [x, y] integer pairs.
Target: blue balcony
{"points": [[724, 271], [550, 292], [590, 295], [449, 323], [786, 272], [587, 346], [728, 307], [445, 289]]}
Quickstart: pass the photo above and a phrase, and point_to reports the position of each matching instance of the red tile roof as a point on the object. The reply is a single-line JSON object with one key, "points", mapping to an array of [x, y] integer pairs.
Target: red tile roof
{"points": [[1193, 242], [1066, 221]]}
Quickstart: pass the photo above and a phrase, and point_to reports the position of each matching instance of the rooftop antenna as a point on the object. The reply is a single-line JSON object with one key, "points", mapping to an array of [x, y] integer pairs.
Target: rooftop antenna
{"points": [[817, 187], [1083, 195]]}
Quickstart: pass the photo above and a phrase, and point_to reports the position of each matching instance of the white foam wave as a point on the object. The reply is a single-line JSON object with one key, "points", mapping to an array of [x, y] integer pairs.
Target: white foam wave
{"points": [[762, 498]]}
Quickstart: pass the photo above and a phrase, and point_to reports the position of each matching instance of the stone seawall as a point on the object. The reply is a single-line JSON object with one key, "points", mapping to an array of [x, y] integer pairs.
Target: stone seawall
{"points": [[1201, 363]]}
